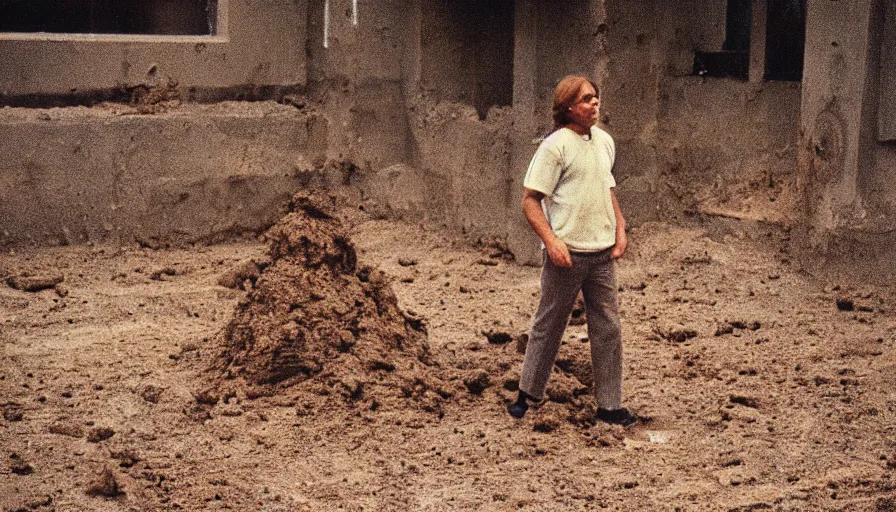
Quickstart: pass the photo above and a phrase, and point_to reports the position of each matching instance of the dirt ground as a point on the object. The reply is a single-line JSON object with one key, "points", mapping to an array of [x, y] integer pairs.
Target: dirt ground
{"points": [[764, 388]]}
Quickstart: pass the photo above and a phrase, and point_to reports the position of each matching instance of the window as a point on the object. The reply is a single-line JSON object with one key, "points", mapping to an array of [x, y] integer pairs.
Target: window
{"points": [[160, 17], [734, 58], [785, 39]]}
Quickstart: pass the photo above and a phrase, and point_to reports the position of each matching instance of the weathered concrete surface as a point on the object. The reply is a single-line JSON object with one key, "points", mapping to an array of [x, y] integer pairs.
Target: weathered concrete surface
{"points": [[358, 80], [105, 174], [260, 43], [845, 173], [724, 146], [728, 147], [465, 163], [630, 102], [711, 145], [520, 239], [394, 116]]}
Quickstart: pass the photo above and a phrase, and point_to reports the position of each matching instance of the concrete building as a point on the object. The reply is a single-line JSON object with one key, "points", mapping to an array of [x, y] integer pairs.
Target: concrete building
{"points": [[204, 116]]}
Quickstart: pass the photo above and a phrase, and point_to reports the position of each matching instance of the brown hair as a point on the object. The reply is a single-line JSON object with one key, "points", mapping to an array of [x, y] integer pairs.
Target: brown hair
{"points": [[565, 95]]}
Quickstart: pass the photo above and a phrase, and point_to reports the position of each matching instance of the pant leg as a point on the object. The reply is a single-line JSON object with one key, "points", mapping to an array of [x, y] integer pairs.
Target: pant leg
{"points": [[559, 287], [604, 332]]}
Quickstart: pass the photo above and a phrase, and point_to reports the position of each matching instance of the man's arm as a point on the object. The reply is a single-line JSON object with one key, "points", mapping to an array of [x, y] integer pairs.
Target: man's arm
{"points": [[557, 250], [621, 237]]}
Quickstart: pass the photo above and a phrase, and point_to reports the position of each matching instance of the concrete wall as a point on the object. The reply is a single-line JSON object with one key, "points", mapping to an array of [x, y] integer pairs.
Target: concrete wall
{"points": [[358, 79], [630, 71], [259, 43], [407, 102], [877, 171], [726, 146], [76, 175], [395, 100], [460, 127]]}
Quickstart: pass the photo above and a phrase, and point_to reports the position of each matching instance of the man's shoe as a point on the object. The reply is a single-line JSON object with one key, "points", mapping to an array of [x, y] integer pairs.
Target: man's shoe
{"points": [[518, 409], [620, 416]]}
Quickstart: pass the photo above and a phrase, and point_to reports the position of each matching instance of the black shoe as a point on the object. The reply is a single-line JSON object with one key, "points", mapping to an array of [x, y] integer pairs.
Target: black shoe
{"points": [[620, 416], [518, 409]]}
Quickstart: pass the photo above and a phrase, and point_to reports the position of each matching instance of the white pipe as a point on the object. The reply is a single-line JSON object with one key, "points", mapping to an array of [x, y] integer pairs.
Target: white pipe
{"points": [[355, 12], [326, 23]]}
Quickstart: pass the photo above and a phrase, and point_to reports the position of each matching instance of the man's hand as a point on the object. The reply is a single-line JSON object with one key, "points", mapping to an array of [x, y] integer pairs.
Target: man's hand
{"points": [[621, 237], [556, 248], [621, 244], [559, 253]]}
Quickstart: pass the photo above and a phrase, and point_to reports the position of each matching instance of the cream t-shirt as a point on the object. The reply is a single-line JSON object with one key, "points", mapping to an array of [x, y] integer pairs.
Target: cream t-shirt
{"points": [[574, 173]]}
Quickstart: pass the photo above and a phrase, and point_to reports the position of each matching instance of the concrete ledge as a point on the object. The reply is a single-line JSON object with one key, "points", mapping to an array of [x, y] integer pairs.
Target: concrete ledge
{"points": [[853, 255], [73, 175]]}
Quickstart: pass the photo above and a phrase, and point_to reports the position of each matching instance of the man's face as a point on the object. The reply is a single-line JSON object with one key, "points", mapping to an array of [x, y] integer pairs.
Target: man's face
{"points": [[584, 112]]}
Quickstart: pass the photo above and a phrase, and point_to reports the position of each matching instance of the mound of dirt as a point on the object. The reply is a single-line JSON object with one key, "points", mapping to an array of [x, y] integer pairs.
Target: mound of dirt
{"points": [[317, 321]]}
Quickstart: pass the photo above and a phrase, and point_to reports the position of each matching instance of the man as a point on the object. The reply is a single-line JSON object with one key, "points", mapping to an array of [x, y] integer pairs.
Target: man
{"points": [[583, 232]]}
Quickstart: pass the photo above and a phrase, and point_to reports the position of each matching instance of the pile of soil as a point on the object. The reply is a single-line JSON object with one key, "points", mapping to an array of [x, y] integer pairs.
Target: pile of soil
{"points": [[317, 321]]}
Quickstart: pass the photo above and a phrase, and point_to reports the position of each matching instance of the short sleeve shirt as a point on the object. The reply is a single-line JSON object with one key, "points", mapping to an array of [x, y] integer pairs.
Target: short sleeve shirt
{"points": [[574, 173]]}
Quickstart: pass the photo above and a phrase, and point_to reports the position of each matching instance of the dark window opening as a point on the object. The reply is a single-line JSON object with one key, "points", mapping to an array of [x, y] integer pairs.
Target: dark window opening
{"points": [[785, 40], [734, 58], [467, 48], [155, 17], [737, 26]]}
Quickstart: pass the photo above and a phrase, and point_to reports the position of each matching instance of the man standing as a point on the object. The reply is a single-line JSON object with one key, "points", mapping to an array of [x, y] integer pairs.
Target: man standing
{"points": [[583, 232]]}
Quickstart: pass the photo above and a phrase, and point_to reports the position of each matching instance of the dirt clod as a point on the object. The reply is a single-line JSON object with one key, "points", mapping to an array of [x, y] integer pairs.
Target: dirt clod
{"points": [[66, 428], [674, 332], [578, 317], [846, 305], [522, 341], [245, 271], [477, 382], [151, 394], [99, 434], [744, 400], [21, 468], [105, 485], [158, 275], [126, 458], [34, 283], [207, 397], [497, 337], [12, 414]]}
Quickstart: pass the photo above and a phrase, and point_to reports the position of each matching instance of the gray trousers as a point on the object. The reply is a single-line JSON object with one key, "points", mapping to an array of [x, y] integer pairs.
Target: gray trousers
{"points": [[595, 275]]}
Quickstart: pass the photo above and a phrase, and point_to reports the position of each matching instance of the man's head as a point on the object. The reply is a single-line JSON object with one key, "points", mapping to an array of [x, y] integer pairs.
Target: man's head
{"points": [[576, 102]]}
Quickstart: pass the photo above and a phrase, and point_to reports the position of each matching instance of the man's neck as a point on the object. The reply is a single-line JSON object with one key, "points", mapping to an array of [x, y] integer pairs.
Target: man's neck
{"points": [[581, 130]]}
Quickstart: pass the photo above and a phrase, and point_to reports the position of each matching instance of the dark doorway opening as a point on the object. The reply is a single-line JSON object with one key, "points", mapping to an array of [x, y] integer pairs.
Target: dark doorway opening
{"points": [[156, 17], [467, 51]]}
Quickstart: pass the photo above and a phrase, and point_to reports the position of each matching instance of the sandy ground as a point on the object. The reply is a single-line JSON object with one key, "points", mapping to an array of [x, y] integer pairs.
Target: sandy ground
{"points": [[763, 392]]}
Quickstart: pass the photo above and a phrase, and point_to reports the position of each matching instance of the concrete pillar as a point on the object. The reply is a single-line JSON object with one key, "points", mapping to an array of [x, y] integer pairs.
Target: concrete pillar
{"points": [[759, 12], [521, 240], [831, 146], [630, 67]]}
